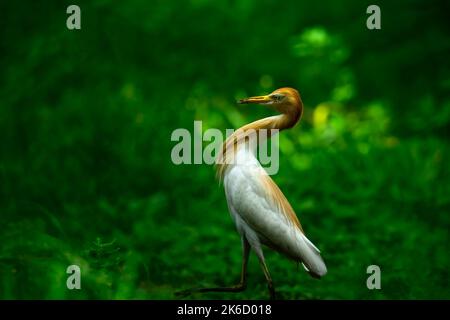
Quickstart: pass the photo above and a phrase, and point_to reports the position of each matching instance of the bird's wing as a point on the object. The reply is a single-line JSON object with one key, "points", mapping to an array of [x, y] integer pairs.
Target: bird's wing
{"points": [[253, 193], [262, 205], [276, 198]]}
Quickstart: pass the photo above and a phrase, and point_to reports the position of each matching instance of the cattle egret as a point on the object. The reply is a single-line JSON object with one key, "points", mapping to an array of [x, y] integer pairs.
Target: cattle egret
{"points": [[260, 211]]}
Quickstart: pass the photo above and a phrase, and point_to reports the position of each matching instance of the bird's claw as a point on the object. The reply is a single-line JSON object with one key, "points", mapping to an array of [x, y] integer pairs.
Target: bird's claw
{"points": [[183, 293]]}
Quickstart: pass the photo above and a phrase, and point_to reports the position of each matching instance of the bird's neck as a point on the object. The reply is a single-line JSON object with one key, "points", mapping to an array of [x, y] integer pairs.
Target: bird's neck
{"points": [[260, 130], [253, 134], [279, 122]]}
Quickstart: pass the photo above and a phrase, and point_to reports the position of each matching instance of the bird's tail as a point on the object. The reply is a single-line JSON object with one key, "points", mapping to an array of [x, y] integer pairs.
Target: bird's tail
{"points": [[311, 258]]}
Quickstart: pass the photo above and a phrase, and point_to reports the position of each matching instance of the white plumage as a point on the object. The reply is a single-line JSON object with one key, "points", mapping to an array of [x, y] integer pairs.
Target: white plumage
{"points": [[259, 220]]}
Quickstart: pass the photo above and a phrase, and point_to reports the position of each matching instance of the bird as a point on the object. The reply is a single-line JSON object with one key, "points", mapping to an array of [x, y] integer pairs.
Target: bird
{"points": [[260, 211]]}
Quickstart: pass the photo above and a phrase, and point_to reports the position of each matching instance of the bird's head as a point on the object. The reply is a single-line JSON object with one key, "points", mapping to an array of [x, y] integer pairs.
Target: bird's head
{"points": [[284, 100]]}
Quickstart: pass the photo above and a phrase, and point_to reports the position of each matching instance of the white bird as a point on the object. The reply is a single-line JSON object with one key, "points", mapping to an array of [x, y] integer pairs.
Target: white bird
{"points": [[260, 211]]}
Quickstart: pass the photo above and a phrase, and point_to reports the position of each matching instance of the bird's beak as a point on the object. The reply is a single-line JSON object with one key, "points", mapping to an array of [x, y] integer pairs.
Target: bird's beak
{"points": [[256, 100]]}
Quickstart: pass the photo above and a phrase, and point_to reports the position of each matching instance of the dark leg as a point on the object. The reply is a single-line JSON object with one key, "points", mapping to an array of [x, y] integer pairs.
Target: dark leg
{"points": [[236, 288], [268, 277]]}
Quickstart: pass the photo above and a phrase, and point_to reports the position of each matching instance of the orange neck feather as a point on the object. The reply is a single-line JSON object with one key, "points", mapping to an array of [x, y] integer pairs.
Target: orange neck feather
{"points": [[238, 138]]}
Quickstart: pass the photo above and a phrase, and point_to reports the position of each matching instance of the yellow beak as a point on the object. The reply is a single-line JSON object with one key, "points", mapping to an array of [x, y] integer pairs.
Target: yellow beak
{"points": [[256, 100]]}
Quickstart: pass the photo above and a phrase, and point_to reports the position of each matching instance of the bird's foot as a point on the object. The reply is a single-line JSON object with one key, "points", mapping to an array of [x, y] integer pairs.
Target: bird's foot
{"points": [[183, 293], [272, 292], [273, 296]]}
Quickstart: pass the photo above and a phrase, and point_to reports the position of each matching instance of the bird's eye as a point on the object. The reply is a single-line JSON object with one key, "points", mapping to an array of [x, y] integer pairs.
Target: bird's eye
{"points": [[277, 97]]}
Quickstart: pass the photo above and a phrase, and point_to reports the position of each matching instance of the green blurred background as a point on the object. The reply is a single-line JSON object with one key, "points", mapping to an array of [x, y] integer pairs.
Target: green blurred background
{"points": [[86, 117]]}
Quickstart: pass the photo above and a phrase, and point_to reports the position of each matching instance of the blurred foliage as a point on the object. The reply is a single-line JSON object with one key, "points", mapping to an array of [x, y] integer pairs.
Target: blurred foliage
{"points": [[86, 117]]}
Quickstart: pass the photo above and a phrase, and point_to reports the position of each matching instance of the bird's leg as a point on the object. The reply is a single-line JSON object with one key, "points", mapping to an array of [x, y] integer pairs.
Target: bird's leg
{"points": [[268, 277], [236, 288]]}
